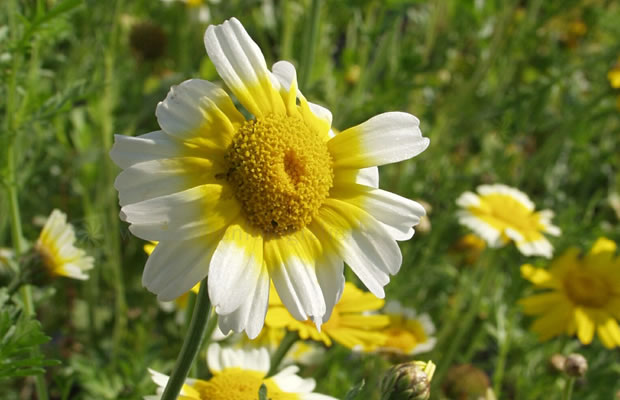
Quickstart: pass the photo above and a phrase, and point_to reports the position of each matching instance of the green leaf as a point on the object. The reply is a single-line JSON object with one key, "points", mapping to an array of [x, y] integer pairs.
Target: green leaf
{"points": [[355, 390]]}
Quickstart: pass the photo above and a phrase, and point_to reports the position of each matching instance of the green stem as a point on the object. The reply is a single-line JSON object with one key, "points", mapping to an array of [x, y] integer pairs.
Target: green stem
{"points": [[285, 345], [288, 29], [568, 391], [464, 324], [191, 344], [503, 339], [311, 40]]}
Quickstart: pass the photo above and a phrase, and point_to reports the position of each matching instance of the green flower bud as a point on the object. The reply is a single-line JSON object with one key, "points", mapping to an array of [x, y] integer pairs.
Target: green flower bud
{"points": [[408, 381]]}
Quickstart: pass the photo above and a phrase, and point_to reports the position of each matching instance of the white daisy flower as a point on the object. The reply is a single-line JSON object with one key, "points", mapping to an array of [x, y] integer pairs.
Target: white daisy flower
{"points": [[238, 374], [408, 333], [56, 246], [273, 197], [499, 213]]}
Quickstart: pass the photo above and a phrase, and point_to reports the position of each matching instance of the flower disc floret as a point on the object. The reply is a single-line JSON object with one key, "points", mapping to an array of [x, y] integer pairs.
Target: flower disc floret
{"points": [[281, 172], [240, 384]]}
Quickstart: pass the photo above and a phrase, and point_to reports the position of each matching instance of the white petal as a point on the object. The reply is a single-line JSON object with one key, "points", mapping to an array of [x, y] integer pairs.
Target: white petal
{"points": [[174, 267], [288, 381], [240, 63], [330, 274], [129, 150], [291, 266], [383, 139], [219, 358], [364, 243], [399, 214], [235, 268], [150, 179], [183, 215], [198, 108], [491, 235], [468, 199], [250, 316], [368, 176], [509, 191]]}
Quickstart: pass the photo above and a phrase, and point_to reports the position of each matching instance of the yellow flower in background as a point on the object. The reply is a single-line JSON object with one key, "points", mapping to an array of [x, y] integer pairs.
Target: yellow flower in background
{"points": [[56, 246], [270, 338], [583, 295], [238, 375], [499, 213], [350, 324], [614, 77], [471, 246], [274, 198], [407, 333]]}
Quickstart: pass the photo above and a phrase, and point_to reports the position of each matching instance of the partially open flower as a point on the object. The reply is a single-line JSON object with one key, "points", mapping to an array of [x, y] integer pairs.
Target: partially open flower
{"points": [[56, 247]]}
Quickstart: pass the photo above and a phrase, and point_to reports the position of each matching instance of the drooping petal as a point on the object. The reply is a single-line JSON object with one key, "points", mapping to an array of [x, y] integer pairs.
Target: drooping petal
{"points": [[240, 63], [541, 303], [235, 267], [330, 274], [191, 213], [553, 323], [199, 111], [585, 325], [291, 263], [175, 267], [364, 244], [383, 139]]}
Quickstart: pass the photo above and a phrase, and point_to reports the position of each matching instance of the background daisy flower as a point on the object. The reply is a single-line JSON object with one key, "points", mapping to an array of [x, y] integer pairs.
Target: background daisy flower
{"points": [[499, 213], [583, 295], [56, 246], [407, 333], [238, 374], [350, 324], [275, 198]]}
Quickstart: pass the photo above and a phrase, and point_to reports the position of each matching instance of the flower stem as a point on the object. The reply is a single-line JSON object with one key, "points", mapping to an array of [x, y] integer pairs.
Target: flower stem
{"points": [[568, 391], [285, 345], [191, 344], [311, 39]]}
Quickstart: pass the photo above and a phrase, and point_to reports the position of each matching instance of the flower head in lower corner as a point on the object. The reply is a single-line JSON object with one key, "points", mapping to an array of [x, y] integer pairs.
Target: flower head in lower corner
{"points": [[56, 246], [583, 295], [274, 197], [499, 214], [407, 333], [238, 374], [350, 323]]}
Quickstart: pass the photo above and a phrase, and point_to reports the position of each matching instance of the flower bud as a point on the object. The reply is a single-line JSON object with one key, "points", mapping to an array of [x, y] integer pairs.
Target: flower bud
{"points": [[408, 381], [465, 381], [576, 365], [557, 362]]}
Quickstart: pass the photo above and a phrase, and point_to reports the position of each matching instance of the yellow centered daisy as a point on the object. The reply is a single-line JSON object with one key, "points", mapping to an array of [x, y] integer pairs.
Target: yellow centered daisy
{"points": [[584, 295], [238, 375], [499, 213], [56, 246], [350, 324], [274, 198], [407, 332], [281, 171]]}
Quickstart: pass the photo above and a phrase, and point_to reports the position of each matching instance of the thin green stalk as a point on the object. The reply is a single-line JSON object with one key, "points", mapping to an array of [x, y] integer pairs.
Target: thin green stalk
{"points": [[285, 345], [464, 324], [311, 40], [288, 29], [568, 391], [191, 344], [503, 342]]}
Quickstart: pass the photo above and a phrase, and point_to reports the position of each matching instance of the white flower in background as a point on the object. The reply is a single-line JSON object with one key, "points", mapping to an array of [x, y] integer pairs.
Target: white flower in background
{"points": [[499, 213], [408, 333], [238, 374], [56, 246], [277, 197]]}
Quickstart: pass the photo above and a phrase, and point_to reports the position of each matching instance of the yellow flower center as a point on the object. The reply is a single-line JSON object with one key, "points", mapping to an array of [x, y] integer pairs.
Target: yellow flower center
{"points": [[239, 384], [404, 334], [586, 289], [281, 171]]}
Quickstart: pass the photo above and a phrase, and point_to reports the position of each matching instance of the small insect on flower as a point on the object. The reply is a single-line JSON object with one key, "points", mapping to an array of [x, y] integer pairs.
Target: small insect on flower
{"points": [[499, 213], [350, 323], [583, 295], [238, 374], [274, 198], [56, 247]]}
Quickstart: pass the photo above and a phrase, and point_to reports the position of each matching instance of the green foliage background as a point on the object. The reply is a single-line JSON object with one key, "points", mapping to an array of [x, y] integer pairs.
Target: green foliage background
{"points": [[510, 92]]}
